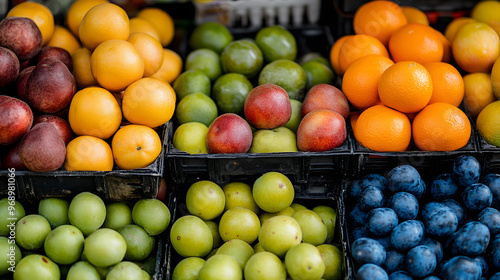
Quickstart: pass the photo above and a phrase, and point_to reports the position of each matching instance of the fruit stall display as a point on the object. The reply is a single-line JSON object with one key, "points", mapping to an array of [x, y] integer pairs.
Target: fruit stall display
{"points": [[338, 132]]}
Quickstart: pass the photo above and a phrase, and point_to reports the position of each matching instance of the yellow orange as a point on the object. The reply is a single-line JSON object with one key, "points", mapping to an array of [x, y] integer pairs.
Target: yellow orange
{"points": [[150, 50], [63, 38], [487, 12], [94, 111], [171, 67], [452, 28], [415, 15], [135, 146], [441, 127], [103, 22], [478, 93], [358, 46], [81, 68], [142, 25], [447, 83], [116, 64], [383, 129], [162, 21], [378, 19], [77, 11], [360, 81], [415, 42], [88, 153], [476, 47], [148, 101], [39, 13], [334, 54], [495, 78], [405, 86]]}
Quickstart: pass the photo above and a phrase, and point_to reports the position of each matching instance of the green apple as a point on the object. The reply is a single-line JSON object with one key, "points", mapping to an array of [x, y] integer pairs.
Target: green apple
{"points": [[264, 265], [191, 137], [125, 271], [188, 268], [87, 212], [37, 267], [303, 262], [10, 212], [118, 214], [10, 255], [105, 247], [55, 210], [64, 244], [31, 231], [273, 192], [276, 42], [139, 243], [333, 259], [152, 215], [221, 266], [295, 118], [278, 140], [83, 270]]}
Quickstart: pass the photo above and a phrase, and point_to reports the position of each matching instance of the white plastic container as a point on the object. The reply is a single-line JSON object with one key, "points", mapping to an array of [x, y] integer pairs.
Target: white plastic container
{"points": [[256, 13]]}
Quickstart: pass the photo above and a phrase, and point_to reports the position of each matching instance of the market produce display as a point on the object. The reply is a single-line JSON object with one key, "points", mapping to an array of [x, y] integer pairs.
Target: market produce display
{"points": [[81, 237], [261, 224]]}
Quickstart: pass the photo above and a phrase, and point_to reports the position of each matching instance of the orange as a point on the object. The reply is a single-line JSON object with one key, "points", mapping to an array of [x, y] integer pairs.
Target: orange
{"points": [[77, 11], [441, 127], [446, 46], [353, 118], [103, 22], [488, 123], [39, 13], [135, 146], [447, 83], [81, 68], [94, 111], [150, 50], [63, 38], [142, 25], [379, 19], [360, 81], [383, 129], [415, 15], [162, 21], [405, 86], [357, 46], [171, 67], [476, 47], [452, 28], [415, 42], [148, 101], [334, 53], [495, 78], [478, 93], [116, 64], [88, 153], [487, 12]]}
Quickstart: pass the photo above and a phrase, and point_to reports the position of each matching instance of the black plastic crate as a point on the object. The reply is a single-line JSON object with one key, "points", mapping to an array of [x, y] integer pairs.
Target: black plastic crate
{"points": [[185, 168], [112, 185], [315, 192], [489, 155]]}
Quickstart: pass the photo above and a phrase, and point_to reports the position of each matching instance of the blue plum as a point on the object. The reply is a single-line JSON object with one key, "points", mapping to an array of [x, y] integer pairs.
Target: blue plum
{"points": [[457, 208], [384, 241], [477, 196], [357, 216], [405, 205], [394, 261], [435, 246], [371, 271], [495, 276], [495, 252], [491, 218], [432, 277], [359, 232], [381, 221], [471, 239], [430, 207], [466, 170], [420, 261], [355, 188], [492, 180], [407, 235], [370, 198], [460, 267], [441, 222], [483, 264], [400, 275], [407, 179], [443, 187], [367, 250], [376, 180]]}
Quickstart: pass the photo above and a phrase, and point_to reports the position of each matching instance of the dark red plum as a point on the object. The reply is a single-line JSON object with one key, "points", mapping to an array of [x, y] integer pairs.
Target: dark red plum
{"points": [[9, 67], [21, 35]]}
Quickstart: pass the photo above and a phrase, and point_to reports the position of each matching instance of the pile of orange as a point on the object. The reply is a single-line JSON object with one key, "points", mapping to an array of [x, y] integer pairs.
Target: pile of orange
{"points": [[400, 75], [123, 69]]}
